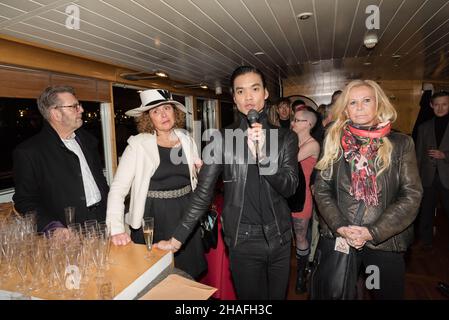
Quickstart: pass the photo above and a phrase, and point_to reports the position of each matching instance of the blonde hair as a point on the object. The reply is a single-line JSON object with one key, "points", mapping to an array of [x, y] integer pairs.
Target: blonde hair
{"points": [[332, 143]]}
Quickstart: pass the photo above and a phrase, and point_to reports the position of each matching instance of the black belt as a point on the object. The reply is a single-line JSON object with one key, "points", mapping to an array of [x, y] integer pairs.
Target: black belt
{"points": [[94, 206]]}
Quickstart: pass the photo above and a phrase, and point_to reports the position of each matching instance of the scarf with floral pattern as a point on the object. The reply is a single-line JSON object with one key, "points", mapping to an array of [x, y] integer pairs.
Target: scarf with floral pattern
{"points": [[360, 145]]}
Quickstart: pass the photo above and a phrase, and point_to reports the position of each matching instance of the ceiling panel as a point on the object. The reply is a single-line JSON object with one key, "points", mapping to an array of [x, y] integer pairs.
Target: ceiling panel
{"points": [[10, 12], [324, 26], [307, 28], [286, 18], [204, 40], [398, 23], [421, 18], [24, 5], [342, 27]]}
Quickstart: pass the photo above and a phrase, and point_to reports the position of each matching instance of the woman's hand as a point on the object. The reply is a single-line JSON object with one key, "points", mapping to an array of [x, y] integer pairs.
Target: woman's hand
{"points": [[362, 236], [121, 239], [198, 164], [172, 245], [353, 236]]}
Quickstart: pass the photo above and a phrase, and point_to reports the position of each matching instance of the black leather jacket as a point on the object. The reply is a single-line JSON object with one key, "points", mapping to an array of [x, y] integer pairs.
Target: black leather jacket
{"points": [[281, 181], [399, 190]]}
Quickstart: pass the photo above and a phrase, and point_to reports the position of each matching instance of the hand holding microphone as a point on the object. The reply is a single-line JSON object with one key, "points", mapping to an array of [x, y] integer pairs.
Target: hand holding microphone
{"points": [[256, 136]]}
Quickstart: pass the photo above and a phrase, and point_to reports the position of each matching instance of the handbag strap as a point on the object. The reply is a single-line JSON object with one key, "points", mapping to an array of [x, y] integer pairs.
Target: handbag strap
{"points": [[359, 214]]}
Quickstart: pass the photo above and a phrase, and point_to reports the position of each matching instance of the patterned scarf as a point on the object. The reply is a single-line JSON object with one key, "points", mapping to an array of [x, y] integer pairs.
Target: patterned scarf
{"points": [[360, 145]]}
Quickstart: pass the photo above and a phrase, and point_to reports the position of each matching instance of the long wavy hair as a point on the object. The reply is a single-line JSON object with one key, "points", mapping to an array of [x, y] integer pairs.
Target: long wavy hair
{"points": [[145, 125], [333, 150]]}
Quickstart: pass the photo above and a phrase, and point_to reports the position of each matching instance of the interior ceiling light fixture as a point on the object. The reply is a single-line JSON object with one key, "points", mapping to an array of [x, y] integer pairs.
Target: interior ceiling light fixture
{"points": [[367, 63], [304, 15], [370, 40], [259, 53], [396, 56], [134, 76], [195, 85]]}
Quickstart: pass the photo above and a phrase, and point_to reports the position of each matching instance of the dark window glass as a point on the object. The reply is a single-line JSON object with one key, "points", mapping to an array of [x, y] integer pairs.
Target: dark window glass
{"points": [[20, 119], [124, 100], [92, 123], [227, 113]]}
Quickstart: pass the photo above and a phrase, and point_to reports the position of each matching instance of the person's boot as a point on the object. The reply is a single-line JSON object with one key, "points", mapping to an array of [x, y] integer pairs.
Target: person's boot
{"points": [[301, 278]]}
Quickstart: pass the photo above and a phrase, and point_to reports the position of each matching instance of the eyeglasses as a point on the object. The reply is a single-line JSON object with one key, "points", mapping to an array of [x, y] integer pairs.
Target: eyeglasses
{"points": [[77, 106], [300, 120]]}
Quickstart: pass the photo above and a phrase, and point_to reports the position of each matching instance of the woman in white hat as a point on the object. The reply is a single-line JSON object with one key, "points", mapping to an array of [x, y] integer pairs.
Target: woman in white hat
{"points": [[159, 166]]}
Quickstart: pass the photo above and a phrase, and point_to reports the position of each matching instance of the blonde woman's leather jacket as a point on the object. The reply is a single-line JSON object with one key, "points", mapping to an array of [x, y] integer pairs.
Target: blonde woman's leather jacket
{"points": [[399, 191]]}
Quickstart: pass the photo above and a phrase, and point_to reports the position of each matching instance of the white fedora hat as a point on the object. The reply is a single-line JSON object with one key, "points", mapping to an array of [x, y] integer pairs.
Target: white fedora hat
{"points": [[153, 98]]}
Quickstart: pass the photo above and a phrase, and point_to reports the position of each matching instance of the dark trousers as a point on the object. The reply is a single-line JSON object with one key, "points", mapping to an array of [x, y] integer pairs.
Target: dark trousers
{"points": [[391, 268], [428, 206], [260, 264]]}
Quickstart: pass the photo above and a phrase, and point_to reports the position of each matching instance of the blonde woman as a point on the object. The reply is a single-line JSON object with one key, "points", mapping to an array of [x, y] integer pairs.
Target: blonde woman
{"points": [[368, 192], [159, 166]]}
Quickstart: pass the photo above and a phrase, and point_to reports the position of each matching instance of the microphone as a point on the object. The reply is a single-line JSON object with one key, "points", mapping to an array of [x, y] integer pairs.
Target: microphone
{"points": [[253, 117]]}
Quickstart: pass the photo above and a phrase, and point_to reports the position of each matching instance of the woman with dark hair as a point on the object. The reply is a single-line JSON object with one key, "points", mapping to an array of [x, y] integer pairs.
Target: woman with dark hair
{"points": [[368, 194], [160, 166]]}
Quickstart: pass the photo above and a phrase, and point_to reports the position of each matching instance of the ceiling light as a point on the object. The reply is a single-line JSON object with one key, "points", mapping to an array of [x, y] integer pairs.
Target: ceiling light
{"points": [[161, 74], [367, 63], [134, 76], [259, 53], [195, 85], [370, 40], [396, 56], [304, 15]]}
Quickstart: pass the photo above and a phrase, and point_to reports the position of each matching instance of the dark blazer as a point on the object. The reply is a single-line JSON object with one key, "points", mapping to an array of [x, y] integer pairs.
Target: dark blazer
{"points": [[427, 166], [47, 177]]}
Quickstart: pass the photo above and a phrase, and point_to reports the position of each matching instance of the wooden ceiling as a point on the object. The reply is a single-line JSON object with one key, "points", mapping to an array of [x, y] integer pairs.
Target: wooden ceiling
{"points": [[204, 40]]}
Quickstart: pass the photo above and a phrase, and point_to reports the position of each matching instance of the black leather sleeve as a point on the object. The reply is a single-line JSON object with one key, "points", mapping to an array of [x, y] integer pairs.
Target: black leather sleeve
{"points": [[203, 195], [401, 213], [284, 176]]}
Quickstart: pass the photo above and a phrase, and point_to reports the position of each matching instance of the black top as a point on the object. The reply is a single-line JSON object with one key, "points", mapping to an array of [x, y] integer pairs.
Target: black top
{"points": [[256, 207], [170, 176], [440, 127], [284, 123]]}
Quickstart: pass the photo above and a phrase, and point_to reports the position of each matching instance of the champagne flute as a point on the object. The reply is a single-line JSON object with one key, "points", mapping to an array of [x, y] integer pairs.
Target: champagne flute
{"points": [[148, 230]]}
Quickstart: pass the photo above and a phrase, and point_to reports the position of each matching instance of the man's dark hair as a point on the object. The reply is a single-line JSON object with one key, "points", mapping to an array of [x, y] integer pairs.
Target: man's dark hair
{"points": [[439, 94], [296, 103], [49, 97], [243, 70], [336, 93], [284, 101]]}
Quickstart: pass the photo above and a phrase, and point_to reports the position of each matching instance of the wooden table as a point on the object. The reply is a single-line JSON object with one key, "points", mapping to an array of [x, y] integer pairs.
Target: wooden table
{"points": [[129, 272]]}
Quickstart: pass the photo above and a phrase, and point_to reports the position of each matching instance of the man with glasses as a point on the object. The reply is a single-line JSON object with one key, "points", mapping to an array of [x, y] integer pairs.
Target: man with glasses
{"points": [[60, 166]]}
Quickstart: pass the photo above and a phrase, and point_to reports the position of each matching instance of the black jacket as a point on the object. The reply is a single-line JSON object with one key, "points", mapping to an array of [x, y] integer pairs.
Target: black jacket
{"points": [[279, 175], [47, 176], [399, 191]]}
